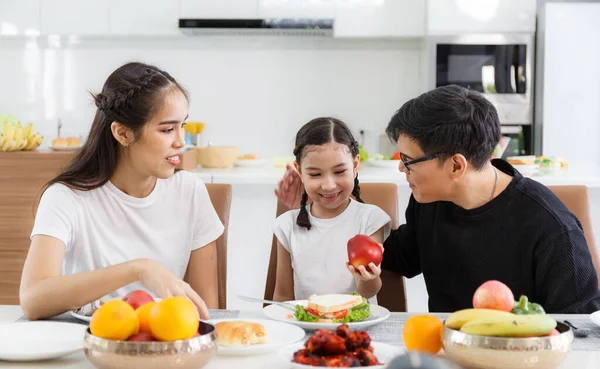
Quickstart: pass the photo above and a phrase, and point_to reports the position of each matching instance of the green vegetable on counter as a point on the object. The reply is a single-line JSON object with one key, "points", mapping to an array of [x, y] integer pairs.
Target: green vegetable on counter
{"points": [[524, 307]]}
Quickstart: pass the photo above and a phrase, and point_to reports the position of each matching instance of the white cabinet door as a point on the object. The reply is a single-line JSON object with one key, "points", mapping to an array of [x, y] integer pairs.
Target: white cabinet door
{"points": [[78, 17], [144, 17], [571, 117], [480, 16], [19, 17], [228, 9], [380, 18], [307, 9]]}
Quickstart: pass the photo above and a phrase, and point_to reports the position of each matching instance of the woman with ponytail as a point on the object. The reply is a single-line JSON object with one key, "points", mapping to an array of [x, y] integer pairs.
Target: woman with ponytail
{"points": [[120, 217], [312, 241]]}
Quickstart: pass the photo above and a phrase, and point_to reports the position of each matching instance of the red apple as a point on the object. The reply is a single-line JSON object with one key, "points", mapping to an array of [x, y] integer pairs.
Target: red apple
{"points": [[138, 298], [141, 337], [196, 335], [494, 295], [554, 332], [362, 250]]}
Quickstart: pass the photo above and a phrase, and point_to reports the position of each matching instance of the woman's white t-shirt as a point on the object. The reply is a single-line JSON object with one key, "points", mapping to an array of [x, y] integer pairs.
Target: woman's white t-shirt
{"points": [[319, 255], [105, 226]]}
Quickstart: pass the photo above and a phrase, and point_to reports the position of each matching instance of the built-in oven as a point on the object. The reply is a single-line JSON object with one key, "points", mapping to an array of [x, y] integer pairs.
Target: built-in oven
{"points": [[501, 66]]}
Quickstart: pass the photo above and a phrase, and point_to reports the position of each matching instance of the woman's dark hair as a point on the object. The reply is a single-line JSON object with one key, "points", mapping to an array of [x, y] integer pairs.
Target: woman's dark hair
{"points": [[320, 131], [130, 96], [449, 120]]}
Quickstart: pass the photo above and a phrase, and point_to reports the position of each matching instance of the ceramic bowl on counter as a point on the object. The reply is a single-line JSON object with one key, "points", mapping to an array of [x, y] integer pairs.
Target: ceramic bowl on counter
{"points": [[482, 352], [193, 353], [217, 156]]}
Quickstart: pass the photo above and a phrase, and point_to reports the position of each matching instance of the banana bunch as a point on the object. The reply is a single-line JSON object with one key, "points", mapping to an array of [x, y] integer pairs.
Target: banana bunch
{"points": [[15, 137], [496, 323]]}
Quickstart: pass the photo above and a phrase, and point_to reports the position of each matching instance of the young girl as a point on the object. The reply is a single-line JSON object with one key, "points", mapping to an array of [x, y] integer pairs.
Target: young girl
{"points": [[312, 241], [120, 217]]}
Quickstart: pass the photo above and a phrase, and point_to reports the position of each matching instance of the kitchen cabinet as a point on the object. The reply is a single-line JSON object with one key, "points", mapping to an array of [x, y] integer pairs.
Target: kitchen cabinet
{"points": [[19, 17], [378, 18], [480, 16], [144, 17], [224, 9], [571, 88], [74, 17], [315, 9]]}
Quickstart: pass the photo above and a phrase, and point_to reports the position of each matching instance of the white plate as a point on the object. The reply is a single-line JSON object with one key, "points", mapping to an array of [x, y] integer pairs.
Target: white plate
{"points": [[79, 316], [384, 163], [378, 314], [280, 334], [65, 148], [39, 340], [382, 351], [250, 163], [595, 317]]}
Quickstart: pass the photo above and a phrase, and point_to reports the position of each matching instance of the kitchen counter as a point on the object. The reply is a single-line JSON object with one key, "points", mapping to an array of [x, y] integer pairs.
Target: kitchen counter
{"points": [[270, 175]]}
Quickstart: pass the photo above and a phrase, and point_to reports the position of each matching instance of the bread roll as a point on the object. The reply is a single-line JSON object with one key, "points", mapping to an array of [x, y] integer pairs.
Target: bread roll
{"points": [[73, 141], [59, 142], [238, 333]]}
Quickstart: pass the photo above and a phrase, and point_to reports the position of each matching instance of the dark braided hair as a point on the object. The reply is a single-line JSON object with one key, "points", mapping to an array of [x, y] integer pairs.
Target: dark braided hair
{"points": [[130, 96], [321, 131]]}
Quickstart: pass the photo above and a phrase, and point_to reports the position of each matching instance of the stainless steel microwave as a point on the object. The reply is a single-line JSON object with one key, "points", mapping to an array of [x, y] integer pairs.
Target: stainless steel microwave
{"points": [[498, 65]]}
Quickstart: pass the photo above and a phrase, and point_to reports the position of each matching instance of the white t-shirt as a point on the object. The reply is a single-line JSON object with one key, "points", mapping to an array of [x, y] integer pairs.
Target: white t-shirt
{"points": [[319, 255], [105, 226]]}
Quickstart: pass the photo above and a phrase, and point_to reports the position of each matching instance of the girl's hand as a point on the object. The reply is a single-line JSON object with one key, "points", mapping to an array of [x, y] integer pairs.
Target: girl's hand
{"points": [[363, 274], [165, 284]]}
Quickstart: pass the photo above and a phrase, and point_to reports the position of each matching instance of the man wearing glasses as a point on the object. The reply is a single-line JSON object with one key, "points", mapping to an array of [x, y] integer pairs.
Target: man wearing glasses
{"points": [[471, 219]]}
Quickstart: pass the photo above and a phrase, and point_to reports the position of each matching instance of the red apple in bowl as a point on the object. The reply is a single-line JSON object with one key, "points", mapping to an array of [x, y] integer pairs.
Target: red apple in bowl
{"points": [[141, 337], [494, 295], [362, 250], [138, 298]]}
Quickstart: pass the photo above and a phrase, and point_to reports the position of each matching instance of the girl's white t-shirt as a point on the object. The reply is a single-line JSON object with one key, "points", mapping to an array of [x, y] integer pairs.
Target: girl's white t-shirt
{"points": [[105, 226], [319, 255]]}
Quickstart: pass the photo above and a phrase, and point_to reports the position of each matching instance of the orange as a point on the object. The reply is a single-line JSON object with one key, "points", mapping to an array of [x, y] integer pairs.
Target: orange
{"points": [[114, 320], [423, 333], [174, 318], [143, 314]]}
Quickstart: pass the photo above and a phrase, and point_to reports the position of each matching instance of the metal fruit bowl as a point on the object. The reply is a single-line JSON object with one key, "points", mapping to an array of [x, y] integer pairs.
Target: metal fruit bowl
{"points": [[193, 353], [481, 352]]}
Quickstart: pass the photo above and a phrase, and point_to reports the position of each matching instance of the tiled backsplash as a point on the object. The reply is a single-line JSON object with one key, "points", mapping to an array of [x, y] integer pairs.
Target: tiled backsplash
{"points": [[251, 92]]}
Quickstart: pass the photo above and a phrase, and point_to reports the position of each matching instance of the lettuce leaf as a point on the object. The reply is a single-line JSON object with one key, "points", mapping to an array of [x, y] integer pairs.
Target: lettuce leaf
{"points": [[304, 316], [357, 313]]}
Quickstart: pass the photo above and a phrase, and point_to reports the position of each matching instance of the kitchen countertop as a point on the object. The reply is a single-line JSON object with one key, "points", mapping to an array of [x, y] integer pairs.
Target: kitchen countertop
{"points": [[367, 173]]}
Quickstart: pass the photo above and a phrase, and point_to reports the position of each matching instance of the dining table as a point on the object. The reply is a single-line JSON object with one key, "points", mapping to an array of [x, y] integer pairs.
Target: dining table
{"points": [[585, 353]]}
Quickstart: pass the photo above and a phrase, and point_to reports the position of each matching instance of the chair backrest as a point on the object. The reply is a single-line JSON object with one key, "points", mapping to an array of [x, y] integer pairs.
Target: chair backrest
{"points": [[576, 200], [384, 195], [220, 196]]}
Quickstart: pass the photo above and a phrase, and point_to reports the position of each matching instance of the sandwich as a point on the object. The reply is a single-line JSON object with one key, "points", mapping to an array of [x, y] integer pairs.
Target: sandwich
{"points": [[335, 308]]}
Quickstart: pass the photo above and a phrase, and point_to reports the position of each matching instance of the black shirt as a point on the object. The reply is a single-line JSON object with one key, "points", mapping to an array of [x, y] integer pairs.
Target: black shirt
{"points": [[525, 238]]}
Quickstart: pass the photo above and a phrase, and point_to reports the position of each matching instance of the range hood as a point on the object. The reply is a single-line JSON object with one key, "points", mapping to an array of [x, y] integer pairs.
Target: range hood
{"points": [[257, 27]]}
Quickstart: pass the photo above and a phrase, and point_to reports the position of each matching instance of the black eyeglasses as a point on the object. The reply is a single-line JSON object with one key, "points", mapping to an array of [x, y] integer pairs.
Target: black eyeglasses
{"points": [[407, 163]]}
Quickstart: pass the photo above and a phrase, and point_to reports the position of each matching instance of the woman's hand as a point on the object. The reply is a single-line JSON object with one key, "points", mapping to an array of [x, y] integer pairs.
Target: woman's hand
{"points": [[165, 284], [289, 188]]}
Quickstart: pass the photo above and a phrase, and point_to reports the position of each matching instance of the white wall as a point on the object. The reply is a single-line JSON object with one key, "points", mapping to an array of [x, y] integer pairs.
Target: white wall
{"points": [[251, 92]]}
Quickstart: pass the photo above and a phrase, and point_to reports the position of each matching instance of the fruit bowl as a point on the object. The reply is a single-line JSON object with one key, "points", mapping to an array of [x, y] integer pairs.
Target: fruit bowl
{"points": [[193, 353], [482, 352]]}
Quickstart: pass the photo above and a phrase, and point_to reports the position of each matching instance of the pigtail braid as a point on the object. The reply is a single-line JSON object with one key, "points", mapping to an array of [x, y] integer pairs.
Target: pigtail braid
{"points": [[303, 220], [356, 190]]}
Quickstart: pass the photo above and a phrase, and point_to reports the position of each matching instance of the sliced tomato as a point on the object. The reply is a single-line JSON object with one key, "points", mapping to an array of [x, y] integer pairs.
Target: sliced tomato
{"points": [[312, 312], [341, 314]]}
